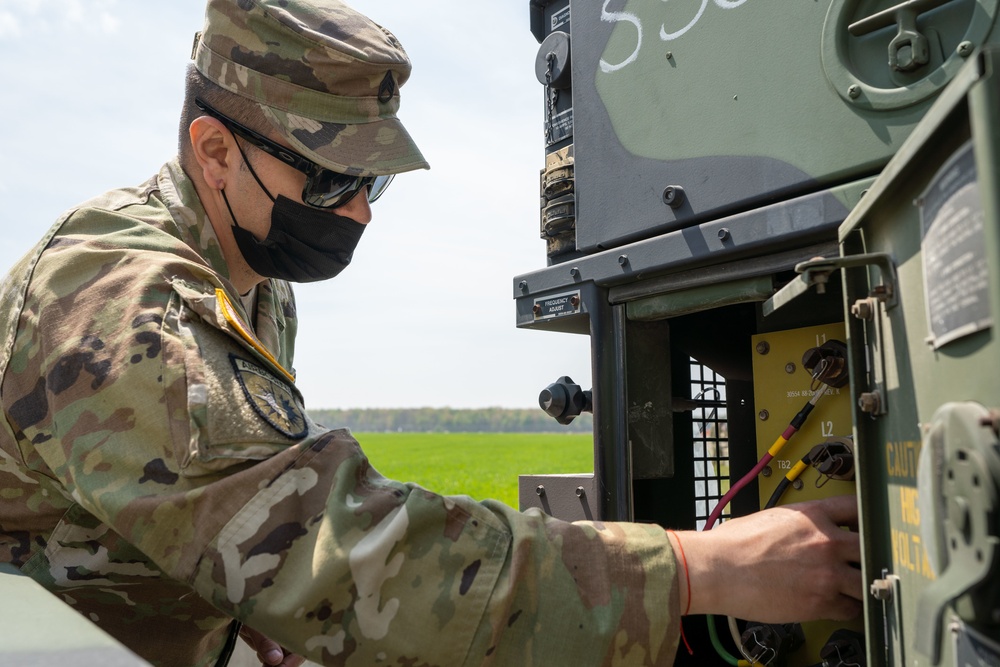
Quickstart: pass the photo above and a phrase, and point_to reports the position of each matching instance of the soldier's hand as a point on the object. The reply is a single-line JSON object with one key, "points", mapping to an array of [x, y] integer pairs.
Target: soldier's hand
{"points": [[270, 653], [787, 564]]}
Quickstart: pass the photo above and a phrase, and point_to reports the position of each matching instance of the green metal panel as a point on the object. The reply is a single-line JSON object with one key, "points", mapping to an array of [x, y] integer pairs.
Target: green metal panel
{"points": [[752, 109], [700, 298], [926, 367], [739, 103]]}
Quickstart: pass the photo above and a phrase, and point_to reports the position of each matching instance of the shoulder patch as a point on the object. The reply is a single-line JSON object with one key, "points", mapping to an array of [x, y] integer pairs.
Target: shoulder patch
{"points": [[270, 398]]}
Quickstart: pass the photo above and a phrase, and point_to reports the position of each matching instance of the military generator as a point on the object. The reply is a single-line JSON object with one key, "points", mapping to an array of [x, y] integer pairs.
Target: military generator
{"points": [[778, 218]]}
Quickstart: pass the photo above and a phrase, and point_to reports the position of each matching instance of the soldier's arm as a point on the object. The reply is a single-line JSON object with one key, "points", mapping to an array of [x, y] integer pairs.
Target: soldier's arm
{"points": [[183, 436], [163, 421]]}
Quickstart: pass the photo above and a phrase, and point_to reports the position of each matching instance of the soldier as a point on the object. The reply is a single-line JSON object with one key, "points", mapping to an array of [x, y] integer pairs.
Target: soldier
{"points": [[160, 473]]}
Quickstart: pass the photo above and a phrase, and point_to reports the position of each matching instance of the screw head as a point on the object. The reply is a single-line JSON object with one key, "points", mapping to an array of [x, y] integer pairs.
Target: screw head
{"points": [[763, 347], [869, 402], [766, 472], [797, 485], [862, 309], [881, 589], [539, 490], [574, 272], [537, 309], [854, 91], [790, 368], [723, 234], [964, 49], [673, 196], [763, 415], [623, 260]]}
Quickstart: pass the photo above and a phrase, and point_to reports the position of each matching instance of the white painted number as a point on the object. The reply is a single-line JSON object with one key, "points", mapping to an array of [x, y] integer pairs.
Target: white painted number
{"points": [[615, 17], [724, 4], [665, 34]]}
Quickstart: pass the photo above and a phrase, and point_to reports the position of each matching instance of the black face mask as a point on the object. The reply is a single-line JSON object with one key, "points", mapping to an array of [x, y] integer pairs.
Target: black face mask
{"points": [[304, 244]]}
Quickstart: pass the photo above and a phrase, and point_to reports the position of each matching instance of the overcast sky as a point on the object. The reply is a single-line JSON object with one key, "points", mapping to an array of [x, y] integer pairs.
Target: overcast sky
{"points": [[424, 316]]}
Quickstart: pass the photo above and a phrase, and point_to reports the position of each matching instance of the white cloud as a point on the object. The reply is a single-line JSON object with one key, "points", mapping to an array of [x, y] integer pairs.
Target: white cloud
{"points": [[92, 16], [9, 26], [74, 12], [47, 16], [109, 24], [32, 7]]}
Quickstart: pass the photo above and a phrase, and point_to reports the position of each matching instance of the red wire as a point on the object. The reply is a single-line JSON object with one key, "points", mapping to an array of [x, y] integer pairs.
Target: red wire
{"points": [[792, 428], [733, 490]]}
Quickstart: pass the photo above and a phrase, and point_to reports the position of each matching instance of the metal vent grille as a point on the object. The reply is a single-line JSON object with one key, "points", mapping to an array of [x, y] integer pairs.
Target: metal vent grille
{"points": [[710, 437]]}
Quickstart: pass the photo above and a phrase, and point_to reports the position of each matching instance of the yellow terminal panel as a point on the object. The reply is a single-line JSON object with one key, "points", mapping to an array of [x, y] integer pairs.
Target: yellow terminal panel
{"points": [[782, 387]]}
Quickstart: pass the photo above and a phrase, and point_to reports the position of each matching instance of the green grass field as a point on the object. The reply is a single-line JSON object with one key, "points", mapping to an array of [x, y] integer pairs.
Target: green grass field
{"points": [[481, 465]]}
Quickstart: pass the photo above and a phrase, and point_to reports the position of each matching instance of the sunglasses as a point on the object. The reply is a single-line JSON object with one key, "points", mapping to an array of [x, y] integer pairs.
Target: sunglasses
{"points": [[324, 188]]}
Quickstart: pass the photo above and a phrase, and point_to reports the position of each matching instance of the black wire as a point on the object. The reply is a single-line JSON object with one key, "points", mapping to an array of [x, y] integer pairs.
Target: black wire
{"points": [[799, 419], [783, 485]]}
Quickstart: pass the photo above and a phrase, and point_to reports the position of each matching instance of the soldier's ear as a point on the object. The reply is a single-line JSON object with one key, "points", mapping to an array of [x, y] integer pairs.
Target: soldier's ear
{"points": [[213, 148]]}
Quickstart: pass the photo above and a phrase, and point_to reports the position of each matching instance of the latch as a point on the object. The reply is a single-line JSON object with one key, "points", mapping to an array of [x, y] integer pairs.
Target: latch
{"points": [[817, 272], [909, 49]]}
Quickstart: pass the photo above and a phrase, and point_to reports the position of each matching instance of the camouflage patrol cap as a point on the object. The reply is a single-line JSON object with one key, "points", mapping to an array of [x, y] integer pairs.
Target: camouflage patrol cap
{"points": [[326, 76]]}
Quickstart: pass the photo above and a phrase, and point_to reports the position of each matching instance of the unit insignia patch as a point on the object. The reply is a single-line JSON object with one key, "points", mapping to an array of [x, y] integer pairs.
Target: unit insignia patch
{"points": [[271, 398]]}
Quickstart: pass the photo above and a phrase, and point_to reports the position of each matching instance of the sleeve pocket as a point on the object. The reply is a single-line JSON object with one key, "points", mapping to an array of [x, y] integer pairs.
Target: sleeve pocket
{"points": [[229, 404]]}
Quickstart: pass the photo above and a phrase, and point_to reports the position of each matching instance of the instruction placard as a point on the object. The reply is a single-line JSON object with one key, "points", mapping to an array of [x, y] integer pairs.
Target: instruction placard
{"points": [[956, 275]]}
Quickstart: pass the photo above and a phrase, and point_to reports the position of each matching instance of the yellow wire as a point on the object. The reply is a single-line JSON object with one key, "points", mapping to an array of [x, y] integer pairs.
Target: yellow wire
{"points": [[776, 447], [796, 470]]}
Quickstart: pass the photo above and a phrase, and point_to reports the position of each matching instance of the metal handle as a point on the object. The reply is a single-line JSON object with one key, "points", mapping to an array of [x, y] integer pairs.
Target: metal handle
{"points": [[909, 49]]}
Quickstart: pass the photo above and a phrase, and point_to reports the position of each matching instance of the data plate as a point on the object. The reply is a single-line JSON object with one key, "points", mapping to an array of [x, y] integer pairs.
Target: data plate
{"points": [[956, 271], [560, 305]]}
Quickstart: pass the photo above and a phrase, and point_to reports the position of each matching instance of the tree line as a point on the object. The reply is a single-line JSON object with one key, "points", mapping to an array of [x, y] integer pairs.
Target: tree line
{"points": [[449, 420]]}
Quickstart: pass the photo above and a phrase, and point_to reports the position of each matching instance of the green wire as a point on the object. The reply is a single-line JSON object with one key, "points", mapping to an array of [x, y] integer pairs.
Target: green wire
{"points": [[719, 648]]}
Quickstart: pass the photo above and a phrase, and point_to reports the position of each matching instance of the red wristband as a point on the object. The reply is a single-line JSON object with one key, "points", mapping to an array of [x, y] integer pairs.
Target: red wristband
{"points": [[687, 577]]}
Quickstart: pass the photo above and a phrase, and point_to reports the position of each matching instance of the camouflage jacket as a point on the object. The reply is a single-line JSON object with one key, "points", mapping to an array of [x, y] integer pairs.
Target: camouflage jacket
{"points": [[159, 473]]}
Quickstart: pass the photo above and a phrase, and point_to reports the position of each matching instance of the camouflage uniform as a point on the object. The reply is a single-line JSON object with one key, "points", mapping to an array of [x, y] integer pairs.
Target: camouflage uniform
{"points": [[159, 473]]}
